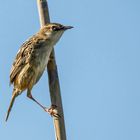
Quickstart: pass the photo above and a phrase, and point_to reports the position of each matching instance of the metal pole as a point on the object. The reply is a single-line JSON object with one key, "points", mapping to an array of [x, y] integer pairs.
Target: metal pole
{"points": [[55, 95]]}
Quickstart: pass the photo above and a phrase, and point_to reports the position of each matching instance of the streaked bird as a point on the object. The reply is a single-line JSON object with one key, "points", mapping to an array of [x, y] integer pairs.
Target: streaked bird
{"points": [[31, 61]]}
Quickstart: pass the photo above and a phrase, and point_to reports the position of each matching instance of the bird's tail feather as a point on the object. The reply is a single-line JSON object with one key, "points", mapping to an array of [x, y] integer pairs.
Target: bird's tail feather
{"points": [[14, 95]]}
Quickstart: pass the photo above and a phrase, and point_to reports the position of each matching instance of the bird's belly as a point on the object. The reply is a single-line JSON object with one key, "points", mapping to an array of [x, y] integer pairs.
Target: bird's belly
{"points": [[40, 69], [42, 63]]}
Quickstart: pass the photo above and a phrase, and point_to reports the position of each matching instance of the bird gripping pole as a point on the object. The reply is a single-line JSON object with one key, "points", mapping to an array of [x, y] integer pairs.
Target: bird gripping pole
{"points": [[59, 124]]}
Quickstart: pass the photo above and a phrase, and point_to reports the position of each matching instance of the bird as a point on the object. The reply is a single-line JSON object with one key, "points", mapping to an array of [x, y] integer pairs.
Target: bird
{"points": [[31, 61]]}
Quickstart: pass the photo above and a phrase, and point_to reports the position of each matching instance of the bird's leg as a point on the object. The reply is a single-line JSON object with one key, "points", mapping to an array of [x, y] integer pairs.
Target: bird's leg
{"points": [[29, 95], [52, 110]]}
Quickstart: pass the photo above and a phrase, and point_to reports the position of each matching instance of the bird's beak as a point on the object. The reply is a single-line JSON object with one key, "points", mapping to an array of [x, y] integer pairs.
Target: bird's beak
{"points": [[67, 27]]}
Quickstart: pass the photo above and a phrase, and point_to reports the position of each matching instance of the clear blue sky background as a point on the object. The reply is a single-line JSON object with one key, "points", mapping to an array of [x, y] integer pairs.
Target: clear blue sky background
{"points": [[99, 70]]}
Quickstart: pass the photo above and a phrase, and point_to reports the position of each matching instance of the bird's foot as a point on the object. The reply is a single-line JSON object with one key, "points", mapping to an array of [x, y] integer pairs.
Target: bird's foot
{"points": [[52, 111]]}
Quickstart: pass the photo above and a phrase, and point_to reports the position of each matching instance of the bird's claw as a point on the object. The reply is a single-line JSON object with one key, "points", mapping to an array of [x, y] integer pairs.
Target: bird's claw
{"points": [[52, 111]]}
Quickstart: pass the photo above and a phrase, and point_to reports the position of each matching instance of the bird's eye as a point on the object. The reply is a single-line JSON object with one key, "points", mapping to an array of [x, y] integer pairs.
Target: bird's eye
{"points": [[54, 28]]}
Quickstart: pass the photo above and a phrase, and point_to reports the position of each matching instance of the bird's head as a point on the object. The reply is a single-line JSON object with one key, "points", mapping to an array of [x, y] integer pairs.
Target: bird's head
{"points": [[54, 31]]}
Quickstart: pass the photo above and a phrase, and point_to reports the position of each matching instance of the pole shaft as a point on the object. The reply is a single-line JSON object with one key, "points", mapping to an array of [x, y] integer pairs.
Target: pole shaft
{"points": [[54, 86]]}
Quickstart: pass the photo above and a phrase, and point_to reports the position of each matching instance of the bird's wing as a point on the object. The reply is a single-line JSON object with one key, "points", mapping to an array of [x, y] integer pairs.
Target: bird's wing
{"points": [[24, 55]]}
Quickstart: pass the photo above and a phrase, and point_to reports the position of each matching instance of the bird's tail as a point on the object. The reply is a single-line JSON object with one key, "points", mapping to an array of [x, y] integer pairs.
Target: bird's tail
{"points": [[14, 95]]}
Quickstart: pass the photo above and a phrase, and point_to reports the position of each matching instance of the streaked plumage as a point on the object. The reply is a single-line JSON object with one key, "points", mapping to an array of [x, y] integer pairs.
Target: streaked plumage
{"points": [[32, 58]]}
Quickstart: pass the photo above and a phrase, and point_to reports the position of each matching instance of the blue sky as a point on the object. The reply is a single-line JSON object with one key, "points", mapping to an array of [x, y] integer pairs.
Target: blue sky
{"points": [[99, 70]]}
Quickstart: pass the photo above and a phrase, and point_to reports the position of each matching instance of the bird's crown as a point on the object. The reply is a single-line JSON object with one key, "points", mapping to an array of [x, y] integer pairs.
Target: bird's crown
{"points": [[55, 27]]}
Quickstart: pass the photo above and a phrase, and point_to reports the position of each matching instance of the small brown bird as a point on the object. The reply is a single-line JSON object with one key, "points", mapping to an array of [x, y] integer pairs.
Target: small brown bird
{"points": [[31, 61]]}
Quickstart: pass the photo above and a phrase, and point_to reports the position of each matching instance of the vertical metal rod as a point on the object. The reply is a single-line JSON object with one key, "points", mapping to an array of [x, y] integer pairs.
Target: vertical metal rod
{"points": [[55, 94]]}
